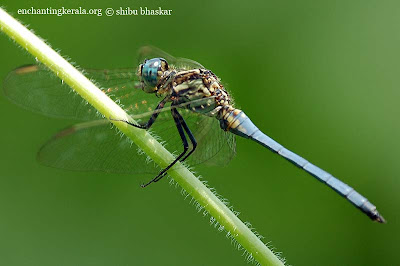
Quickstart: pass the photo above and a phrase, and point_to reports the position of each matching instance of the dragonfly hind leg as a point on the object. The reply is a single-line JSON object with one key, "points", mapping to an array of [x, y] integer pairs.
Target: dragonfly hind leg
{"points": [[182, 127], [190, 135]]}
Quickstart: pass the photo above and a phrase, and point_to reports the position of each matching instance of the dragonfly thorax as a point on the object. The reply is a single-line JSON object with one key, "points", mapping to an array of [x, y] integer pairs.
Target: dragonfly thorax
{"points": [[200, 91]]}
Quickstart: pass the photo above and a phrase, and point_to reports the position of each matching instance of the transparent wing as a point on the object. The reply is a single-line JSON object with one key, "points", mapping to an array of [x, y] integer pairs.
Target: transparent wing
{"points": [[96, 146], [35, 88], [93, 146], [148, 52]]}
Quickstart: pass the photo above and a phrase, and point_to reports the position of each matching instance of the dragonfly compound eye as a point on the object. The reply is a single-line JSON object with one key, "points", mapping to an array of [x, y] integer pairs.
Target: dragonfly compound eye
{"points": [[152, 70]]}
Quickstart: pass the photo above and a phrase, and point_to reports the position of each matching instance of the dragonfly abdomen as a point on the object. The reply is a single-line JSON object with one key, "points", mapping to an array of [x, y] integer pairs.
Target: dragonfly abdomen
{"points": [[236, 121]]}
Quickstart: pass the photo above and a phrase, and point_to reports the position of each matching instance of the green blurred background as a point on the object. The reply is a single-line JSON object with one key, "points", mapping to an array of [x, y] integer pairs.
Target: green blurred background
{"points": [[321, 77]]}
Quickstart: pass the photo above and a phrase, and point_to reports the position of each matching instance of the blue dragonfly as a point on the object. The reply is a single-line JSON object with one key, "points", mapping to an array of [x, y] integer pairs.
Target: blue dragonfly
{"points": [[199, 107]]}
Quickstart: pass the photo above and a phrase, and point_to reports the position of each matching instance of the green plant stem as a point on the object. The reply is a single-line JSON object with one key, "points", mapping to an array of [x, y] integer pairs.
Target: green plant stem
{"points": [[84, 87]]}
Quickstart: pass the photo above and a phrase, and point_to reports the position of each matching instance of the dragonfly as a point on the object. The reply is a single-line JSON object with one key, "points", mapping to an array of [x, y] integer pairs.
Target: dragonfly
{"points": [[179, 99]]}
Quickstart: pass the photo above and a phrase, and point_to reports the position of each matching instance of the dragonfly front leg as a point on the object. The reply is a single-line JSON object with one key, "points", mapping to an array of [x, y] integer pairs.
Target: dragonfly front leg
{"points": [[177, 118], [152, 119]]}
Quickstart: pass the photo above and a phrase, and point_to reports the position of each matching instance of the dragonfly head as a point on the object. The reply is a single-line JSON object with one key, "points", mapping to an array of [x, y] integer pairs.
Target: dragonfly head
{"points": [[150, 73]]}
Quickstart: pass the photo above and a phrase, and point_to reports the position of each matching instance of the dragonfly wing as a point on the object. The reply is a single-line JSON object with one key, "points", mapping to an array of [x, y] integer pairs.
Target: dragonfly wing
{"points": [[35, 88], [94, 146], [148, 52], [218, 147]]}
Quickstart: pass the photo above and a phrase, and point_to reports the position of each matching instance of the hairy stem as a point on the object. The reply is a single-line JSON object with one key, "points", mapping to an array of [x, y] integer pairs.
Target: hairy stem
{"points": [[85, 88]]}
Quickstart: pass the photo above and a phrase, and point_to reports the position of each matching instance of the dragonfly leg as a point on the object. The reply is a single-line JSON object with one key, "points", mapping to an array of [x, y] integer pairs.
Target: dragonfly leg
{"points": [[178, 123], [190, 135], [152, 119]]}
